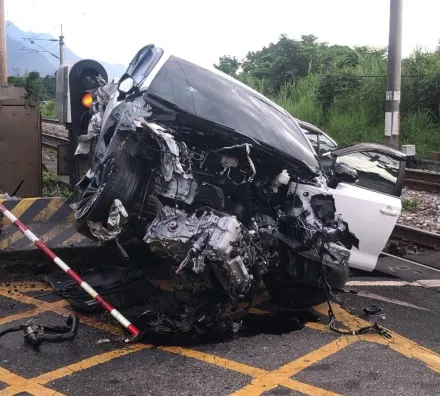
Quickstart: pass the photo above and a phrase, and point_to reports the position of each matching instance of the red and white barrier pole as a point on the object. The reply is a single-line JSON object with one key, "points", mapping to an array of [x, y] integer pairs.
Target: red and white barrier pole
{"points": [[85, 286]]}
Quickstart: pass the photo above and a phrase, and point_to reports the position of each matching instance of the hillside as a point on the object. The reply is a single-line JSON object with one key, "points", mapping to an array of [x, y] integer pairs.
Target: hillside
{"points": [[21, 61]]}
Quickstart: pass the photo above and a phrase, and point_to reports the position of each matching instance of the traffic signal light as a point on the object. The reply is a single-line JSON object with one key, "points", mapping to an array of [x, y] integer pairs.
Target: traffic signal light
{"points": [[82, 81], [75, 85], [74, 97]]}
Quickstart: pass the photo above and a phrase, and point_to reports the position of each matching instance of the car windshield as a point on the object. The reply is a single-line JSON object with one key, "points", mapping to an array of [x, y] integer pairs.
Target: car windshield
{"points": [[221, 100]]}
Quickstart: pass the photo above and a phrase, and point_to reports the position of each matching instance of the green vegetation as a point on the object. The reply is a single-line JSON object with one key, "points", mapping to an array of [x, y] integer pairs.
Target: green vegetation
{"points": [[409, 204], [48, 109], [37, 87], [342, 89], [53, 186]]}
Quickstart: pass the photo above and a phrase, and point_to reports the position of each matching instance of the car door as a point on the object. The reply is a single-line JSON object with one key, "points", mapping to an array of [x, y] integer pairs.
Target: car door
{"points": [[371, 204]]}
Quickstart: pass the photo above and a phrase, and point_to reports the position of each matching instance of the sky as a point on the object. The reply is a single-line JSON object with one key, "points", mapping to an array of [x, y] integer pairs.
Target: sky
{"points": [[202, 31]]}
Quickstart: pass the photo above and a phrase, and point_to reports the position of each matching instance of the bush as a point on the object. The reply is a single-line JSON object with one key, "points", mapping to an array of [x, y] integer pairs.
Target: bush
{"points": [[48, 110]]}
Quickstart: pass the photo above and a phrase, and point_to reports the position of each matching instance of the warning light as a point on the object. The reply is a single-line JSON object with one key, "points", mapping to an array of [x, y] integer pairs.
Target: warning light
{"points": [[87, 100]]}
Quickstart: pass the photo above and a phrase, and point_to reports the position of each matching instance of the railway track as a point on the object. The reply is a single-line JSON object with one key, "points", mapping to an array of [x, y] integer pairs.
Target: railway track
{"points": [[50, 121], [417, 235], [421, 180], [52, 141], [421, 237]]}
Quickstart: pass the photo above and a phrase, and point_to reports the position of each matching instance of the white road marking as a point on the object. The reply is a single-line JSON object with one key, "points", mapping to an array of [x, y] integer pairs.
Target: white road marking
{"points": [[418, 283], [390, 300]]}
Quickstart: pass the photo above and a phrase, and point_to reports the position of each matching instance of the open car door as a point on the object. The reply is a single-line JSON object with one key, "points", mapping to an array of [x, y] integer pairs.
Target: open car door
{"points": [[370, 201]]}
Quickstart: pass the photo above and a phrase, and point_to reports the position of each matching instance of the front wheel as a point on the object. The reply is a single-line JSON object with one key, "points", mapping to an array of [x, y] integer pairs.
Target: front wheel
{"points": [[118, 177]]}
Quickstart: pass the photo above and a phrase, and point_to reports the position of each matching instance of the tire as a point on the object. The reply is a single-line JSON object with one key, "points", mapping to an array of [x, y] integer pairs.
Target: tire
{"points": [[123, 182], [304, 289]]}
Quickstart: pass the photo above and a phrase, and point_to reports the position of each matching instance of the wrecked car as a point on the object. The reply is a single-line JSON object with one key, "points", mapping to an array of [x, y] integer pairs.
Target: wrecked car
{"points": [[223, 184]]}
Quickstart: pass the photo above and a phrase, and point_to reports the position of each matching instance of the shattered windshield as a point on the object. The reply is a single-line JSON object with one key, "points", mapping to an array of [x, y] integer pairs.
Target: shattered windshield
{"points": [[218, 99]]}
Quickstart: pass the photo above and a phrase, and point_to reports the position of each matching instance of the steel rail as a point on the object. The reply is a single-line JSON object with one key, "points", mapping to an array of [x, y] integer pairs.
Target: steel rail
{"points": [[421, 180]]}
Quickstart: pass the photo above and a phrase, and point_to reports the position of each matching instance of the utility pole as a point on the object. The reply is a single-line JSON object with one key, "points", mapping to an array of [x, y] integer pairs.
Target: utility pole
{"points": [[3, 55], [61, 47], [392, 106], [33, 40]]}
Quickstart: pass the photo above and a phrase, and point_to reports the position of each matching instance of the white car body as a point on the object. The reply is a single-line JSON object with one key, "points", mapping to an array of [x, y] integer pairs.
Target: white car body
{"points": [[371, 215]]}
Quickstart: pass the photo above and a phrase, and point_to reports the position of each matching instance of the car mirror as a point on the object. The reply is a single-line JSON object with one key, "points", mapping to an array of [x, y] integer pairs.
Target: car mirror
{"points": [[126, 84], [344, 173]]}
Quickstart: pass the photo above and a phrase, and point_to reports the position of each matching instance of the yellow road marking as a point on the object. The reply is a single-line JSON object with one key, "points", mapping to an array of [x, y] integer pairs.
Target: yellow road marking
{"points": [[407, 348], [20, 384], [346, 318], [263, 380], [245, 369], [88, 363], [25, 286], [306, 388], [22, 315], [33, 301], [216, 360], [272, 379]]}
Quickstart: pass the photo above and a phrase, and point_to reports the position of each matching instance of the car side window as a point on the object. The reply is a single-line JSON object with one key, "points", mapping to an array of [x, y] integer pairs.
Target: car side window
{"points": [[313, 137], [325, 144], [376, 171]]}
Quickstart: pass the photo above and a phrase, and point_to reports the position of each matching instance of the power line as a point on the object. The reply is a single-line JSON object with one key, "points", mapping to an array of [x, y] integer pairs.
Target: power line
{"points": [[60, 41]]}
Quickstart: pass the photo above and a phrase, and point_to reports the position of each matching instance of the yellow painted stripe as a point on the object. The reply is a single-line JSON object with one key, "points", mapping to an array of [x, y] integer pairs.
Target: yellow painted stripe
{"points": [[306, 388], [346, 318], [73, 240], [19, 384], [25, 286], [407, 348], [398, 343], [22, 315], [46, 213], [43, 215], [273, 379], [31, 300], [88, 363], [21, 207], [216, 360]]}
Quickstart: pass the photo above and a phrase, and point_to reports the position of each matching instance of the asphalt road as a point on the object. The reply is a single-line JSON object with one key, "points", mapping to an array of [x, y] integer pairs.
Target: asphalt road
{"points": [[276, 352]]}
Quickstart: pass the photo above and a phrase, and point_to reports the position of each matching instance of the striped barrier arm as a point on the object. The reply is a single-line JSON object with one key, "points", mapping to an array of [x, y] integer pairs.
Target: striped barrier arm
{"points": [[61, 264]]}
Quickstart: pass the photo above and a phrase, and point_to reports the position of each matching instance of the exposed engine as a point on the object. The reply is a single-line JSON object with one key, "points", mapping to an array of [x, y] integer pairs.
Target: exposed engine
{"points": [[222, 214]]}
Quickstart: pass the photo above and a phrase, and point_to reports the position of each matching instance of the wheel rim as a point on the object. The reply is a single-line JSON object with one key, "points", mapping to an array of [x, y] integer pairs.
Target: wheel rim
{"points": [[95, 188]]}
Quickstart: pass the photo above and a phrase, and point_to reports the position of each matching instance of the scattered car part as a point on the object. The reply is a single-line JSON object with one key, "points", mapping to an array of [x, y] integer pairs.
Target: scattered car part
{"points": [[374, 310], [35, 334], [61, 264], [116, 218], [121, 286]]}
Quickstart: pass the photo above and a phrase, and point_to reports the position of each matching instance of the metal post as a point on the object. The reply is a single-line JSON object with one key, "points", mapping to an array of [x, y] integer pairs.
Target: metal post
{"points": [[3, 55], [61, 47], [392, 106]]}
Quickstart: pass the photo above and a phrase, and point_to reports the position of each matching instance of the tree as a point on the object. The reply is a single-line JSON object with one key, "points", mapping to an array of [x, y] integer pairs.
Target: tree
{"points": [[34, 86], [228, 64], [49, 87]]}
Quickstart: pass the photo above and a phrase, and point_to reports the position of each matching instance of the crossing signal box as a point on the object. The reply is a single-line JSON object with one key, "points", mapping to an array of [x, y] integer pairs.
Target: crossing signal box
{"points": [[74, 87]]}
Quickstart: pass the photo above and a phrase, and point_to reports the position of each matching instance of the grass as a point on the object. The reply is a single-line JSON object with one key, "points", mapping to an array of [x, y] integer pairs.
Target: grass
{"points": [[48, 110], [53, 186], [409, 205]]}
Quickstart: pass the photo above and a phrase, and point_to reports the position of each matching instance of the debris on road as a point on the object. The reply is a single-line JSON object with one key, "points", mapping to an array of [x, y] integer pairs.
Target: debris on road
{"points": [[35, 334]]}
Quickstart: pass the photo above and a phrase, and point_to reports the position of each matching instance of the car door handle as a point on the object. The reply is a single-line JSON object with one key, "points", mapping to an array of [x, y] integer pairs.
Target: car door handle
{"points": [[389, 212]]}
